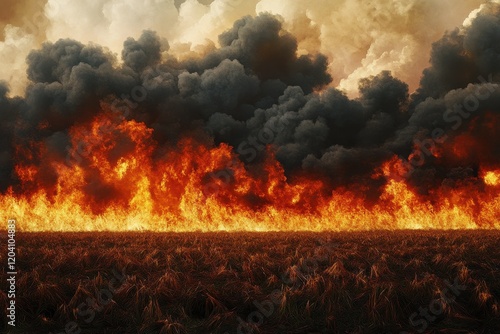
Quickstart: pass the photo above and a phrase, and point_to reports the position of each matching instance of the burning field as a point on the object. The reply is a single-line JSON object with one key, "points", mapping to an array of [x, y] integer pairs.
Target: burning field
{"points": [[206, 155]]}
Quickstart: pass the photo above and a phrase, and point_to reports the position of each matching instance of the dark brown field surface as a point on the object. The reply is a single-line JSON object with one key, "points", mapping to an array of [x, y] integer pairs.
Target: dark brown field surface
{"points": [[370, 282]]}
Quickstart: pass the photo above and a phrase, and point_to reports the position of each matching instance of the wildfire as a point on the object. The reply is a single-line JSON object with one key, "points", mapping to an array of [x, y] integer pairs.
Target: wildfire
{"points": [[116, 180]]}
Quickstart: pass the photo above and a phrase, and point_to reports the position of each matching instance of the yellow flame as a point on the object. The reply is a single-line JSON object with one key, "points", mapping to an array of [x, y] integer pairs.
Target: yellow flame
{"points": [[492, 178]]}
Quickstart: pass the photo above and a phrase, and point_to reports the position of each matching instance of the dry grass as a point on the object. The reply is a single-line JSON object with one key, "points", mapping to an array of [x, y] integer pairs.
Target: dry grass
{"points": [[202, 283]]}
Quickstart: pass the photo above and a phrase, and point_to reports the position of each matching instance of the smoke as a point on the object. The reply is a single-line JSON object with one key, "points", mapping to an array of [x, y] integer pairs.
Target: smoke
{"points": [[385, 35], [23, 13], [257, 88], [22, 28], [362, 39]]}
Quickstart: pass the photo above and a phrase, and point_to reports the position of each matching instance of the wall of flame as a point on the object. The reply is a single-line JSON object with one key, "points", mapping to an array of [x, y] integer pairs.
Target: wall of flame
{"points": [[178, 192]]}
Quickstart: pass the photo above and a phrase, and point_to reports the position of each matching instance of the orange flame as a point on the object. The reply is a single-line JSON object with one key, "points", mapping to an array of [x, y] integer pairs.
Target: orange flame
{"points": [[116, 182]]}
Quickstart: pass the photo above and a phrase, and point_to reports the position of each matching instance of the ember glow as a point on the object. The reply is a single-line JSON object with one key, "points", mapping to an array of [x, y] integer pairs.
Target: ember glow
{"points": [[492, 178], [251, 136]]}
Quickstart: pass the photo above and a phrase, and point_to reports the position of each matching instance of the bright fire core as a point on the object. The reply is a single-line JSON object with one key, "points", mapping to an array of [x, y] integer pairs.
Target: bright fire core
{"points": [[119, 182]]}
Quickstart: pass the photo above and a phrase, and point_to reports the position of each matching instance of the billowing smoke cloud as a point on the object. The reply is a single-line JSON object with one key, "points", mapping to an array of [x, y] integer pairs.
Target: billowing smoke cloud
{"points": [[256, 89], [385, 34]]}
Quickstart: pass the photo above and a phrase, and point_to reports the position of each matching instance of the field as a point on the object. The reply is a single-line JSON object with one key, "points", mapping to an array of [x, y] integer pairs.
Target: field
{"points": [[372, 282]]}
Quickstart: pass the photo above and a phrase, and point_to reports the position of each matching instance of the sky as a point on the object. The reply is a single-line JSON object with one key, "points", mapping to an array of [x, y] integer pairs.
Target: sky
{"points": [[360, 38]]}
